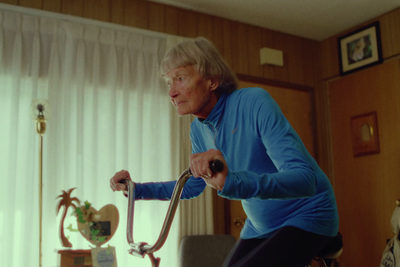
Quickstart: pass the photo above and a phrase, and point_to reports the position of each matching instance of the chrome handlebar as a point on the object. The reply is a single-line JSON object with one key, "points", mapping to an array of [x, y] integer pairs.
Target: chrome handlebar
{"points": [[142, 248]]}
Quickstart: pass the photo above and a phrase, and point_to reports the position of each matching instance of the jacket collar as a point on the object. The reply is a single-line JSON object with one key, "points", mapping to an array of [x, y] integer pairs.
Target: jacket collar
{"points": [[215, 117]]}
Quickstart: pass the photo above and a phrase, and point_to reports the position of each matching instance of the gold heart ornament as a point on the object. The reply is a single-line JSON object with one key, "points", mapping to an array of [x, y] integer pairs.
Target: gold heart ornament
{"points": [[98, 227]]}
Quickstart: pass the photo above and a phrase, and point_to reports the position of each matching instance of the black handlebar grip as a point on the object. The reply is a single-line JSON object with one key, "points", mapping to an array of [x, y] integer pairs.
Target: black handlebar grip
{"points": [[216, 166]]}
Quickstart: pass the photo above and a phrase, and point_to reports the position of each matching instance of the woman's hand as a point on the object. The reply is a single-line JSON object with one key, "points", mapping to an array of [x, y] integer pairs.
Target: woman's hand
{"points": [[118, 181], [200, 167]]}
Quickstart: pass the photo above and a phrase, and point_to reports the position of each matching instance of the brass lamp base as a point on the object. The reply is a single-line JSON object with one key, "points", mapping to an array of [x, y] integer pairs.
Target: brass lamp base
{"points": [[41, 125]]}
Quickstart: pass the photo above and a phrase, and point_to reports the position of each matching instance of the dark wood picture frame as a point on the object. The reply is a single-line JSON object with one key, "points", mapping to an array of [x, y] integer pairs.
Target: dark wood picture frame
{"points": [[360, 49], [364, 134]]}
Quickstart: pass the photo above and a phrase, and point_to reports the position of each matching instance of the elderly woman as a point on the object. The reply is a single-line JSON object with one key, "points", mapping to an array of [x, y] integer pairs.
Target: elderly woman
{"points": [[289, 202]]}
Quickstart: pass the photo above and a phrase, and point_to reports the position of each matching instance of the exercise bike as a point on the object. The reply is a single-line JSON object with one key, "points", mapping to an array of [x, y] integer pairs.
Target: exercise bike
{"points": [[142, 249]]}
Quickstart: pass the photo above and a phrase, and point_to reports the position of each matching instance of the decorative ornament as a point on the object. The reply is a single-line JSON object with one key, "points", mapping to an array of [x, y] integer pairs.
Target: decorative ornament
{"points": [[67, 202], [97, 227]]}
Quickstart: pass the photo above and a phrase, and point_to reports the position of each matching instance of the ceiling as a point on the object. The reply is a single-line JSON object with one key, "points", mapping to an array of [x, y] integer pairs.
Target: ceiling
{"points": [[311, 19]]}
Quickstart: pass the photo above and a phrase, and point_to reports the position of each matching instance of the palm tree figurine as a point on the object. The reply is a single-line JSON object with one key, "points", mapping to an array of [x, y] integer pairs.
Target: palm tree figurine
{"points": [[67, 202]]}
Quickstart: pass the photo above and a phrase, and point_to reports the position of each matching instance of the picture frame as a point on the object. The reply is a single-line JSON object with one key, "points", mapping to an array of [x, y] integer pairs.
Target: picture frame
{"points": [[360, 49], [365, 134]]}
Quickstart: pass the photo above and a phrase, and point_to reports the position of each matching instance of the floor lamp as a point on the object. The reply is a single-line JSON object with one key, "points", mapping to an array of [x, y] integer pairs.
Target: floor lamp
{"points": [[40, 113]]}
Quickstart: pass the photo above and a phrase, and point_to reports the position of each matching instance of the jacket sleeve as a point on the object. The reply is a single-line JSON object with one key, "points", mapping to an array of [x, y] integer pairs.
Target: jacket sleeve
{"points": [[163, 190], [295, 176]]}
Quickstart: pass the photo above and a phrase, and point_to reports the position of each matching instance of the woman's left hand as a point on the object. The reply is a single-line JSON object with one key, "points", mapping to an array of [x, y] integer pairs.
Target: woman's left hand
{"points": [[200, 167]]}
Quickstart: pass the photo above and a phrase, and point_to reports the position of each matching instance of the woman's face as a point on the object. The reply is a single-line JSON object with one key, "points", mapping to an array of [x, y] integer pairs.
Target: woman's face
{"points": [[190, 93]]}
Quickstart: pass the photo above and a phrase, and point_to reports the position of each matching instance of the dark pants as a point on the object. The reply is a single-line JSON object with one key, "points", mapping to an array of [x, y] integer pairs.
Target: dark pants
{"points": [[287, 247]]}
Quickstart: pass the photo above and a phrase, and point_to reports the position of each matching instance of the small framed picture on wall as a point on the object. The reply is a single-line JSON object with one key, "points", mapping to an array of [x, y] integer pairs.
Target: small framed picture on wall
{"points": [[364, 134], [360, 49]]}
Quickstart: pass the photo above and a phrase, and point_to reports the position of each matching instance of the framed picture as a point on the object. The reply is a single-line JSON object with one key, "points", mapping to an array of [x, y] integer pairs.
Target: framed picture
{"points": [[360, 49], [364, 134]]}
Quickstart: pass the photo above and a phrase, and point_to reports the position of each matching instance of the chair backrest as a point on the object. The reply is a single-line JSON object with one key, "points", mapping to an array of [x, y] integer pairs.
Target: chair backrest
{"points": [[205, 250]]}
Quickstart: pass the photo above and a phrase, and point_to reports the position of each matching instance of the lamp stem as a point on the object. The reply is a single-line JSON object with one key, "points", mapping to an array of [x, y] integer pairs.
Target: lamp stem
{"points": [[40, 198]]}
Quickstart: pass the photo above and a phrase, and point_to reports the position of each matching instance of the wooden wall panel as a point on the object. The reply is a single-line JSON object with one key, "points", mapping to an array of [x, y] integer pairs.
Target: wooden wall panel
{"points": [[254, 40], [171, 20], [308, 61], [367, 186], [97, 9], [240, 47], [31, 3], [329, 69], [117, 14], [329, 58], [72, 7], [135, 14], [205, 26], [10, 2], [217, 33], [227, 51], [296, 61], [389, 26], [156, 19], [52, 5], [187, 23]]}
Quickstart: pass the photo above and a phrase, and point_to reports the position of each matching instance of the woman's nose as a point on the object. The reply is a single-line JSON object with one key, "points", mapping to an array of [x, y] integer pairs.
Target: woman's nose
{"points": [[173, 92]]}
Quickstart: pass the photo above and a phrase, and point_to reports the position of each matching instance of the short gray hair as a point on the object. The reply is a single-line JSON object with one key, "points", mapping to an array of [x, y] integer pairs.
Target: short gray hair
{"points": [[201, 53]]}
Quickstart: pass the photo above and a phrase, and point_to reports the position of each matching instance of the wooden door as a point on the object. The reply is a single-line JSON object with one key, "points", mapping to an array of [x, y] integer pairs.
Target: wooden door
{"points": [[297, 107]]}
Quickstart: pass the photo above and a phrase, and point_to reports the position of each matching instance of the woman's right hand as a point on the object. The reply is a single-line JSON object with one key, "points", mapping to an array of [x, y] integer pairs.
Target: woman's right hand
{"points": [[118, 181]]}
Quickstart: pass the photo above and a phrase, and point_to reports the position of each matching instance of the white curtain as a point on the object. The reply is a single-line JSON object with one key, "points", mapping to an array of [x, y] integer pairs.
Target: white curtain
{"points": [[109, 111], [196, 214]]}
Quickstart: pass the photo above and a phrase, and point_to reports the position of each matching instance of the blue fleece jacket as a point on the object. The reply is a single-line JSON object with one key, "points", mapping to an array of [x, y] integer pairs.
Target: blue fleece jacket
{"points": [[270, 170]]}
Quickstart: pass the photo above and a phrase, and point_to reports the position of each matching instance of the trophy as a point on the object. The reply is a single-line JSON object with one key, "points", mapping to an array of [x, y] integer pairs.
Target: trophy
{"points": [[96, 226]]}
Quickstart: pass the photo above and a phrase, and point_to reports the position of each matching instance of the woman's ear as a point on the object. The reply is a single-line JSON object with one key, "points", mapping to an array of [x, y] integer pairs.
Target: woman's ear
{"points": [[213, 84]]}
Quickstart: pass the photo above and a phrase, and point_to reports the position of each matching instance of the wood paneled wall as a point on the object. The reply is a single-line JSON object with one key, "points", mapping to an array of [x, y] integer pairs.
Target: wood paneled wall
{"points": [[390, 39], [366, 186], [329, 70]]}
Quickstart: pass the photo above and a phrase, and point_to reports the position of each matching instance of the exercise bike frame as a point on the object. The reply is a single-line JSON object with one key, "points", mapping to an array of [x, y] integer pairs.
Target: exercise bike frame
{"points": [[142, 248]]}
